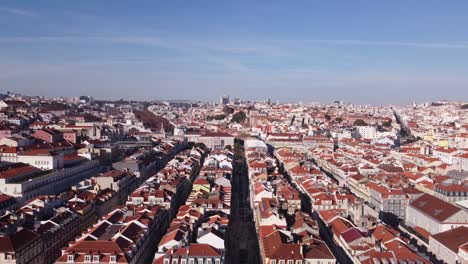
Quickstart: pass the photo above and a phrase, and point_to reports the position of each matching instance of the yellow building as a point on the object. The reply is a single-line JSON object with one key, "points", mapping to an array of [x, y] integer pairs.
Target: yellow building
{"points": [[201, 185]]}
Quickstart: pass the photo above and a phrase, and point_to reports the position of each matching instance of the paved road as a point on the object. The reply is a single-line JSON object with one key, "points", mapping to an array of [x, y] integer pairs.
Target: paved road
{"points": [[242, 241]]}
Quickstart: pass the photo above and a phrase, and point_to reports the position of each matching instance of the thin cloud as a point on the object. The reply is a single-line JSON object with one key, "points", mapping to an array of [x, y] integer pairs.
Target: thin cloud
{"points": [[18, 12], [184, 44], [356, 42], [148, 41], [174, 43]]}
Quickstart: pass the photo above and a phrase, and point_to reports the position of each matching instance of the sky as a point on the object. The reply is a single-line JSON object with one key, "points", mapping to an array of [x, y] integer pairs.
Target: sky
{"points": [[373, 52]]}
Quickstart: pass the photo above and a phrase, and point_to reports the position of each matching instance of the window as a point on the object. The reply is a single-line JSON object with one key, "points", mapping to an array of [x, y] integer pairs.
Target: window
{"points": [[200, 261], [191, 261], [96, 258], [166, 261], [273, 261], [112, 259], [71, 258], [290, 261], [87, 259]]}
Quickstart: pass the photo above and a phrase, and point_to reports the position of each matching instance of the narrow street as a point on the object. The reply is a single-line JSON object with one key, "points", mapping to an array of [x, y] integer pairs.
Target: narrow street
{"points": [[242, 242]]}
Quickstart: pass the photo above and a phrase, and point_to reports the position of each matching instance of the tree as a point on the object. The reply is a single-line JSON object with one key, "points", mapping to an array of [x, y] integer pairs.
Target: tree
{"points": [[219, 117], [339, 119], [200, 145], [327, 117], [239, 117], [238, 153], [360, 122], [292, 120], [303, 125], [387, 123], [216, 117], [228, 110]]}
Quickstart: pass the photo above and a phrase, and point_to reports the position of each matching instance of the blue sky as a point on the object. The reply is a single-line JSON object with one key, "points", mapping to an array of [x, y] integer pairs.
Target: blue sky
{"points": [[359, 51]]}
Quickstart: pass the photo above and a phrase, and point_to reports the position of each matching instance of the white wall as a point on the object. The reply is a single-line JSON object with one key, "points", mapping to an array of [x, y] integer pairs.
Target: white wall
{"points": [[43, 162], [441, 251]]}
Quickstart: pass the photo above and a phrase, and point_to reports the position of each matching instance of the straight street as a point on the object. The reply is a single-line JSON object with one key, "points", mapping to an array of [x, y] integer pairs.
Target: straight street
{"points": [[242, 242]]}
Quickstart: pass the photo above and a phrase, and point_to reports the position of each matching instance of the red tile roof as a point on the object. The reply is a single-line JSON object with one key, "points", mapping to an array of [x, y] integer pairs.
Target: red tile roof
{"points": [[384, 234], [15, 242], [434, 207], [116, 174], [276, 247], [351, 235], [5, 197], [17, 169], [317, 250], [204, 250], [453, 238], [216, 134]]}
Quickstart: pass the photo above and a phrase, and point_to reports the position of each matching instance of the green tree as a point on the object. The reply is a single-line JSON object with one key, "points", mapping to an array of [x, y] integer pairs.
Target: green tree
{"points": [[216, 117], [360, 122], [219, 117], [292, 120], [228, 110], [200, 145], [239, 117]]}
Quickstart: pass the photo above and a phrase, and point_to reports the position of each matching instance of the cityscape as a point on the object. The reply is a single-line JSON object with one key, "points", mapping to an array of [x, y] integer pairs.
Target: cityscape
{"points": [[233, 132], [95, 181]]}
